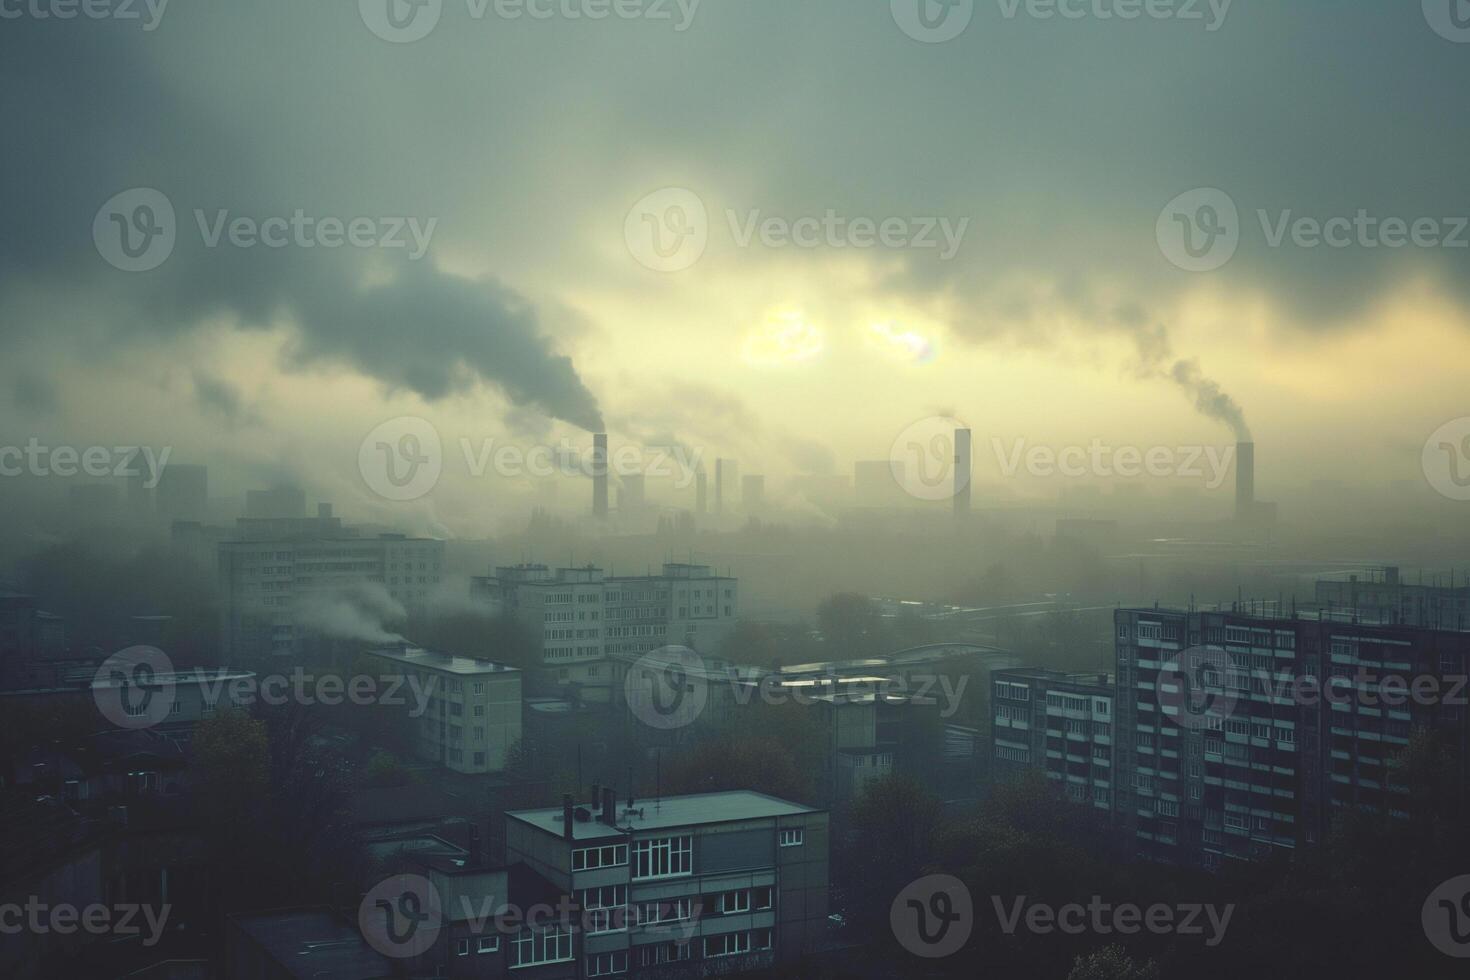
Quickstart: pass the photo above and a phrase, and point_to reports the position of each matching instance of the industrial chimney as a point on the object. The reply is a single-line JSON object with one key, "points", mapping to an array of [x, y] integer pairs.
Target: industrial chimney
{"points": [[962, 468], [599, 474], [1245, 480]]}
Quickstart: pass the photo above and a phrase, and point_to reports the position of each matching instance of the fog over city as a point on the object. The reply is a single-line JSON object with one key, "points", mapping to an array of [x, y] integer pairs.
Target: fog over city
{"points": [[822, 417]]}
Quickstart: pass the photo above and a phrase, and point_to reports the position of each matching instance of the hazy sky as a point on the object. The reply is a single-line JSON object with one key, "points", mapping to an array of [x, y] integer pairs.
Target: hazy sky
{"points": [[518, 148]]}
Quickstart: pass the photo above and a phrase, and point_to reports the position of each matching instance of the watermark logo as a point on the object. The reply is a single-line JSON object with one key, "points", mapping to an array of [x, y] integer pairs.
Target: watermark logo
{"points": [[124, 920], [134, 688], [923, 458], [90, 9], [401, 21], [1193, 689], [933, 917], [401, 917], [136, 229], [36, 458], [1446, 459], [1104, 918], [1208, 464], [668, 230], [402, 459], [1199, 231], [667, 688], [1211, 13], [933, 21], [1446, 917], [1449, 18]]}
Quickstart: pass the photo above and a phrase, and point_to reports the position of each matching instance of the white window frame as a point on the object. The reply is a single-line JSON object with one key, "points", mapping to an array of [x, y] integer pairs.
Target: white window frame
{"points": [[793, 837], [663, 857], [537, 947]]}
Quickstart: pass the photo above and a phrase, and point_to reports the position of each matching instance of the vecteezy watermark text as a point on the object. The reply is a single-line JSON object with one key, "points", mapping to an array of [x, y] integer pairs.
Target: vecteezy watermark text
{"points": [[669, 230], [121, 920], [124, 10], [403, 459], [38, 459], [937, 21], [402, 916], [138, 688], [136, 230], [1105, 918], [406, 21], [1203, 688], [1201, 230], [1208, 463], [670, 687]]}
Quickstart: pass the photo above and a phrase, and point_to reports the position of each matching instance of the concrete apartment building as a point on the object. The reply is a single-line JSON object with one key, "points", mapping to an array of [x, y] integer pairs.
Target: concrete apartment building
{"points": [[584, 616], [1273, 764], [1057, 723], [474, 707], [704, 884], [272, 585], [1384, 597]]}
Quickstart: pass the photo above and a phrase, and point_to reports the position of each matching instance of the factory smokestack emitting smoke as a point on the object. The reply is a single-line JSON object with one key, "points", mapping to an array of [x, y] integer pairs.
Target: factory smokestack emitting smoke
{"points": [[599, 474], [1245, 480]]}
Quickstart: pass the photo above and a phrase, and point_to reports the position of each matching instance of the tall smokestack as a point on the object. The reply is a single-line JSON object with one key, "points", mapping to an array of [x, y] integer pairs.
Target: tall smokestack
{"points": [[599, 474], [962, 467], [701, 493], [1245, 479]]}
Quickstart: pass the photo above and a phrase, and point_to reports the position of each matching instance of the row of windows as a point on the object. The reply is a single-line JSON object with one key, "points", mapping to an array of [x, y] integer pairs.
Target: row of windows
{"points": [[591, 858], [531, 948], [735, 943], [663, 857]]}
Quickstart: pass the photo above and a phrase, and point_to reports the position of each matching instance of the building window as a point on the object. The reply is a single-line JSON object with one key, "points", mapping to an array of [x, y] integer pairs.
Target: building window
{"points": [[533, 948], [793, 837], [655, 913], [462, 948], [736, 901], [591, 858], [607, 964], [663, 857], [664, 953], [730, 944], [606, 908], [762, 898], [488, 944]]}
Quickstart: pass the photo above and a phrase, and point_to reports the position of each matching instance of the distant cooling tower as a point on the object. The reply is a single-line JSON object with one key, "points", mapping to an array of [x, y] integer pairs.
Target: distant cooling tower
{"points": [[1245, 480], [599, 474]]}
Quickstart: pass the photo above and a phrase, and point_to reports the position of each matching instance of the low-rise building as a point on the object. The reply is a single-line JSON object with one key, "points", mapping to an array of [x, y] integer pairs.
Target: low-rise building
{"points": [[472, 714], [279, 593], [582, 617], [714, 883]]}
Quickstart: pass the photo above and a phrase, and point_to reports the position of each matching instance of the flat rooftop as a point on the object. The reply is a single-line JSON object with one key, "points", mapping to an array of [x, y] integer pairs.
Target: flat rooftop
{"points": [[671, 812], [315, 944], [445, 662]]}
